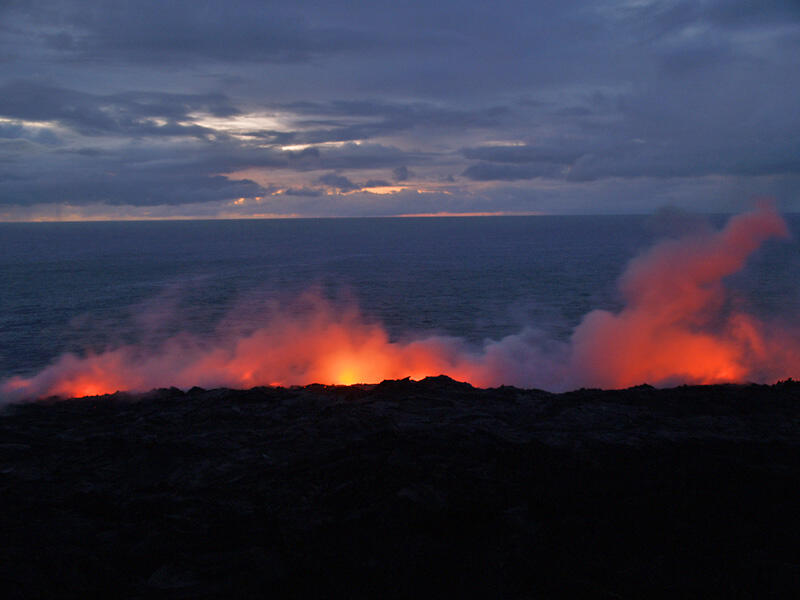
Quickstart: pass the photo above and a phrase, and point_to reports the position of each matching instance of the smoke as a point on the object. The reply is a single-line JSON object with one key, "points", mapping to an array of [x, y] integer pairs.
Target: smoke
{"points": [[679, 324]]}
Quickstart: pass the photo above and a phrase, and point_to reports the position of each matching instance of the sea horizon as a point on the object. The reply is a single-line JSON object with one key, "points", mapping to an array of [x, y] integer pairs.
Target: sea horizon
{"points": [[138, 219]]}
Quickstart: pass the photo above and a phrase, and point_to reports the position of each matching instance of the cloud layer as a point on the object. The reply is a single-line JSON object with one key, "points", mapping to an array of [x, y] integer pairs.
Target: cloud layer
{"points": [[248, 108]]}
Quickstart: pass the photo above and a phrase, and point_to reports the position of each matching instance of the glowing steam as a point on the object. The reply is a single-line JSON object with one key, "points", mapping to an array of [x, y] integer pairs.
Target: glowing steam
{"points": [[677, 326], [315, 341]]}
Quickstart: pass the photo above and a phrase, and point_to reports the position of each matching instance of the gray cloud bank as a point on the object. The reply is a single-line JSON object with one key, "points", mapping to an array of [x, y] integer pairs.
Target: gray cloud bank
{"points": [[280, 108]]}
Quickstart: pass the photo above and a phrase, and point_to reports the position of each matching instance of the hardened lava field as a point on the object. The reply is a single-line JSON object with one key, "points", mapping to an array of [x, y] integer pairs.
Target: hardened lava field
{"points": [[401, 489]]}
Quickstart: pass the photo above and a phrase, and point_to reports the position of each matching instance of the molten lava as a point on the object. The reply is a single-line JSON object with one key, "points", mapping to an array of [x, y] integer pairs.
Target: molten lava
{"points": [[676, 327]]}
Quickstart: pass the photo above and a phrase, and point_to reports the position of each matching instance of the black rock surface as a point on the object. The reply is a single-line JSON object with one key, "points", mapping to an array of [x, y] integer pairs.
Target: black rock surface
{"points": [[403, 490]]}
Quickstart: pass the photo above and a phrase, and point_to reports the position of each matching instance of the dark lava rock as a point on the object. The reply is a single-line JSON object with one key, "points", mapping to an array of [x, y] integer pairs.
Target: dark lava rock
{"points": [[404, 489]]}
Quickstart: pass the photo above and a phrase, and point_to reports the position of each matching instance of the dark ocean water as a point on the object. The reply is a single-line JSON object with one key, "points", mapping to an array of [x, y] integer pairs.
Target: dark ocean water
{"points": [[81, 287]]}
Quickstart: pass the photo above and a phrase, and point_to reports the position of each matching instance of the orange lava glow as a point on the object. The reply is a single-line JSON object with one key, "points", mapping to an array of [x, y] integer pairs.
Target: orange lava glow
{"points": [[321, 344], [677, 326]]}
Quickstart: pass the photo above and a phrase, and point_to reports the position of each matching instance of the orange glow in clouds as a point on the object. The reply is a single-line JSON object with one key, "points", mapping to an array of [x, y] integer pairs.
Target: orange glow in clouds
{"points": [[677, 326]]}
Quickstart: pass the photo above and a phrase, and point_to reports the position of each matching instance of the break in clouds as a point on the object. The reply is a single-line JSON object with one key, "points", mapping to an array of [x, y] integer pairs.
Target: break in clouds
{"points": [[244, 108]]}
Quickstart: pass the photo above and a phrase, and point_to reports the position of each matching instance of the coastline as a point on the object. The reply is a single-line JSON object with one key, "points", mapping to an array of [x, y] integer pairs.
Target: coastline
{"points": [[404, 487]]}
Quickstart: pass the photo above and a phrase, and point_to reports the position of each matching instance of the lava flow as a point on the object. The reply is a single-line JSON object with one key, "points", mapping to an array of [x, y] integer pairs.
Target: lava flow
{"points": [[677, 326]]}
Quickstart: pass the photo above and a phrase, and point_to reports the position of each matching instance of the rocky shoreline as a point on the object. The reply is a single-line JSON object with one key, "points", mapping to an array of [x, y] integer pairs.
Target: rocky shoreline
{"points": [[404, 489]]}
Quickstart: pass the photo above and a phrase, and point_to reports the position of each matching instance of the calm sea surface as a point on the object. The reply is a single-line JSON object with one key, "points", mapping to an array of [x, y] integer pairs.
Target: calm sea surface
{"points": [[88, 286]]}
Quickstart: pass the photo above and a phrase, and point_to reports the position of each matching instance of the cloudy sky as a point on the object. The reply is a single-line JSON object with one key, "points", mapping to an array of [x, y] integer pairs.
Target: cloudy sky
{"points": [[140, 109]]}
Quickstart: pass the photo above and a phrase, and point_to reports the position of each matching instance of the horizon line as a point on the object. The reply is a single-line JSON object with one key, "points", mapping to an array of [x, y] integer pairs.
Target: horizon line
{"points": [[292, 217]]}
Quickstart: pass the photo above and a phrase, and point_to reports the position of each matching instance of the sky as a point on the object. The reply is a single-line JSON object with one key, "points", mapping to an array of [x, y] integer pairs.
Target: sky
{"points": [[191, 109]]}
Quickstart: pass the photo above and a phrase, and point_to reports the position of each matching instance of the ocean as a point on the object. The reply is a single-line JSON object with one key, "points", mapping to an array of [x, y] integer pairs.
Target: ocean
{"points": [[85, 288]]}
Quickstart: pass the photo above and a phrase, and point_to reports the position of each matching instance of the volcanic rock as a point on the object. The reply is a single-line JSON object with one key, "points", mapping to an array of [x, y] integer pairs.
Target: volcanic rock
{"points": [[403, 489]]}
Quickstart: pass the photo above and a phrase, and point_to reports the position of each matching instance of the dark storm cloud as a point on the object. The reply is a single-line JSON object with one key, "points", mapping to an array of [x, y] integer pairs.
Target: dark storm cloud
{"points": [[128, 113], [183, 31], [354, 156], [505, 172], [278, 138], [302, 191], [630, 159], [343, 121], [414, 112], [108, 100], [344, 184], [35, 134], [681, 162], [401, 173], [556, 153], [310, 153], [364, 204], [128, 175], [408, 114], [339, 182], [133, 187], [728, 13]]}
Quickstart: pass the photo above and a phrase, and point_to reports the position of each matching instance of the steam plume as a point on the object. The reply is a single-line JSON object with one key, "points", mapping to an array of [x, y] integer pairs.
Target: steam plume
{"points": [[677, 326]]}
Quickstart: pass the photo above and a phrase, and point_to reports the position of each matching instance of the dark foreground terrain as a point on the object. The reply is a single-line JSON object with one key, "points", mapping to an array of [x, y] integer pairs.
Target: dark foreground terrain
{"points": [[404, 489]]}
